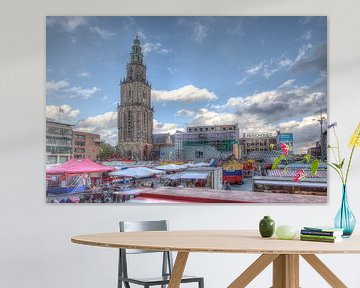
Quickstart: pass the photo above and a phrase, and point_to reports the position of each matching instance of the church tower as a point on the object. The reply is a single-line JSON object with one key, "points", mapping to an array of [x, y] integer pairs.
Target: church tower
{"points": [[135, 114]]}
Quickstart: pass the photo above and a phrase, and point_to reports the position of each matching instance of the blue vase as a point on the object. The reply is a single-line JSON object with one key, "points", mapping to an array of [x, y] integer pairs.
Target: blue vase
{"points": [[345, 219]]}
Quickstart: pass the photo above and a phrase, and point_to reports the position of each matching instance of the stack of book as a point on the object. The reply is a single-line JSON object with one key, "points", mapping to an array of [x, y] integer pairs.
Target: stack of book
{"points": [[321, 234]]}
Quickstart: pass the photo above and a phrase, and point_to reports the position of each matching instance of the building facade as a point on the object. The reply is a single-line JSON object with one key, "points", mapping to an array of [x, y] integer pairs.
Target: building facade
{"points": [[161, 142], [58, 142], [257, 142], [86, 145], [135, 113], [203, 143], [64, 143]]}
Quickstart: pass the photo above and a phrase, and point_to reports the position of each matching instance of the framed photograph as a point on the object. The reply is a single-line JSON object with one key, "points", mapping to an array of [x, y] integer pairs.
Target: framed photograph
{"points": [[170, 109]]}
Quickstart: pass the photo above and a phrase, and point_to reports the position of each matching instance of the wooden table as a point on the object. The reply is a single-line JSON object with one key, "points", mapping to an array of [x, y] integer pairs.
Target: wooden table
{"points": [[284, 254]]}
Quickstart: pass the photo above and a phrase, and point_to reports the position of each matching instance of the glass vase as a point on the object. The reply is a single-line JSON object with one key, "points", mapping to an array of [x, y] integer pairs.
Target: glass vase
{"points": [[345, 219]]}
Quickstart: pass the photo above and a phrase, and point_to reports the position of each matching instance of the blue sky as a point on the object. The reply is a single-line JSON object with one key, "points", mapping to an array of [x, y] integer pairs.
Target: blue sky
{"points": [[265, 73]]}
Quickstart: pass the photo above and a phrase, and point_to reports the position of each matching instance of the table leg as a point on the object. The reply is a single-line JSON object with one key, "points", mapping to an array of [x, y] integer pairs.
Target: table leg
{"points": [[286, 271], [178, 270], [253, 270], [324, 271]]}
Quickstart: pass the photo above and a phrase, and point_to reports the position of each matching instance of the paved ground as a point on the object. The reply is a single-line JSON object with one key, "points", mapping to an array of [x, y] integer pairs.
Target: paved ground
{"points": [[247, 186], [198, 195]]}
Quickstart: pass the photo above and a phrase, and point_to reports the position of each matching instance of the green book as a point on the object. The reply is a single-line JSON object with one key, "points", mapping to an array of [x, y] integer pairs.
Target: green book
{"points": [[319, 236], [325, 240]]}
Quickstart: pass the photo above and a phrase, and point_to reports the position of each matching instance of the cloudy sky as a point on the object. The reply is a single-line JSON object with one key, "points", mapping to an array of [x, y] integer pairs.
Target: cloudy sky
{"points": [[264, 73]]}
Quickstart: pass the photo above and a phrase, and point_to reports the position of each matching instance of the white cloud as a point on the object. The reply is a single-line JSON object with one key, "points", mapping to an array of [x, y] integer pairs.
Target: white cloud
{"points": [[160, 127], [157, 48], [241, 81], [172, 70], [101, 32], [256, 69], [104, 124], [288, 83], [200, 32], [268, 68], [85, 74], [237, 29], [285, 102], [72, 23], [203, 116], [308, 57], [64, 113], [188, 93], [61, 88], [307, 35], [67, 23], [56, 85], [82, 92]]}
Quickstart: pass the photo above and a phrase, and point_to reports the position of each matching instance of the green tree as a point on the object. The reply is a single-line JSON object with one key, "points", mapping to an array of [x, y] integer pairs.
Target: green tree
{"points": [[107, 152]]}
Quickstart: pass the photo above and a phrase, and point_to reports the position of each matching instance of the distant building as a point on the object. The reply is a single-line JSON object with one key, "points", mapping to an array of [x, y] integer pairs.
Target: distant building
{"points": [[315, 151], [63, 143], [58, 142], [257, 142], [86, 145], [203, 143], [161, 141]]}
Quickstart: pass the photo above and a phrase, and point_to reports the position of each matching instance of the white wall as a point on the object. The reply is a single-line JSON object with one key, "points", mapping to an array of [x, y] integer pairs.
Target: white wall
{"points": [[35, 248]]}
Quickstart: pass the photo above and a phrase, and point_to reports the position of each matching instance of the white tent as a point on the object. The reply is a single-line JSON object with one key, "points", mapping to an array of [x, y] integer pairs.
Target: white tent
{"points": [[201, 164], [171, 167], [195, 175], [136, 172]]}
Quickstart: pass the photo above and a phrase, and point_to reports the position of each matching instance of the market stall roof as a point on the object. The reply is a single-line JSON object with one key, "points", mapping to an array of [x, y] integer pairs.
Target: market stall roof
{"points": [[171, 167], [78, 166], [136, 172], [201, 164], [174, 176], [195, 175], [292, 173], [189, 175]]}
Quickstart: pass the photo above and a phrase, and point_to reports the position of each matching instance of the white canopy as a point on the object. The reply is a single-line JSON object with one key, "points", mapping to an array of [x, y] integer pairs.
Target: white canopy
{"points": [[195, 175], [136, 172], [201, 164], [189, 175], [171, 167]]}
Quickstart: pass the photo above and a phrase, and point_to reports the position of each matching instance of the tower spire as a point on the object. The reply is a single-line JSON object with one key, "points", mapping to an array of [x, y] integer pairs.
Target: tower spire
{"points": [[136, 55]]}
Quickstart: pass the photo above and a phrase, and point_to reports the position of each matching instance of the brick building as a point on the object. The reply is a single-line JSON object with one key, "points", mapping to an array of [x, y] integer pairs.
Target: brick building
{"points": [[63, 143], [86, 145]]}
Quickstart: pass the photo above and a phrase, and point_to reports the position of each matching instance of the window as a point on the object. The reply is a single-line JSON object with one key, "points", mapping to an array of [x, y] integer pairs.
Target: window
{"points": [[199, 154], [80, 137], [78, 143], [79, 150]]}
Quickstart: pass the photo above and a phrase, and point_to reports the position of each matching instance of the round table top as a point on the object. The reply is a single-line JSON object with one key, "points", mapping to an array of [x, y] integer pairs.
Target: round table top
{"points": [[217, 241]]}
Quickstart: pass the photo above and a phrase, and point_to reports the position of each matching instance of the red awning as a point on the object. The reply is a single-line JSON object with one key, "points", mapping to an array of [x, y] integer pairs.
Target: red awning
{"points": [[78, 166]]}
